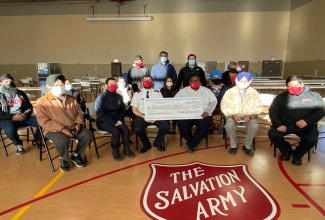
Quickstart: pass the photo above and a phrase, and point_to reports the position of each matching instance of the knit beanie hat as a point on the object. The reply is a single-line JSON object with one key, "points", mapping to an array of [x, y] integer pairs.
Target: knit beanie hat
{"points": [[6, 76], [51, 79]]}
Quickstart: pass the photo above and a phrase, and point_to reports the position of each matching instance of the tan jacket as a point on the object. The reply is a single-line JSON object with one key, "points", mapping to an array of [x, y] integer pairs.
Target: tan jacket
{"points": [[231, 103], [53, 115]]}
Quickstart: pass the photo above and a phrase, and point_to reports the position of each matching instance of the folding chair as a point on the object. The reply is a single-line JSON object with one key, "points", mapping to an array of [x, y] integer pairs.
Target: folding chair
{"points": [[96, 134], [44, 148], [4, 145]]}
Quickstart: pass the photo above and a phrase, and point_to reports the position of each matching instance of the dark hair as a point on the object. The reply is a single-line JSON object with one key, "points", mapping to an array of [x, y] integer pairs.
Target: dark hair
{"points": [[194, 75], [110, 78], [147, 75], [293, 78], [163, 52], [191, 56]]}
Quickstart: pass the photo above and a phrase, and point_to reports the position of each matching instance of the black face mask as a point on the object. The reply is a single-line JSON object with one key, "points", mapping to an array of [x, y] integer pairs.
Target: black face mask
{"points": [[216, 81]]}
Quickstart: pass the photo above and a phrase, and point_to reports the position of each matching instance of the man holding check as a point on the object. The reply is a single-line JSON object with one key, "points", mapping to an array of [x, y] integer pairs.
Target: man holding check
{"points": [[140, 124], [202, 125]]}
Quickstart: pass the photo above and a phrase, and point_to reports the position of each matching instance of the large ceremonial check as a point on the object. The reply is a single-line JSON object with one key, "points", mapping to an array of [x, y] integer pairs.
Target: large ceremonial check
{"points": [[173, 108]]}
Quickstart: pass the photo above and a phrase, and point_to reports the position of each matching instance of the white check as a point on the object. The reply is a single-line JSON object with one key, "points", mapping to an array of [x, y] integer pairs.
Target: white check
{"points": [[173, 108]]}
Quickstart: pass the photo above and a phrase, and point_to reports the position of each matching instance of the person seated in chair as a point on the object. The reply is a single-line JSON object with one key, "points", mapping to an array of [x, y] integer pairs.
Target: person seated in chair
{"points": [[81, 101], [15, 111], [241, 104], [140, 124], [218, 89], [110, 111], [209, 103], [60, 116], [295, 111]]}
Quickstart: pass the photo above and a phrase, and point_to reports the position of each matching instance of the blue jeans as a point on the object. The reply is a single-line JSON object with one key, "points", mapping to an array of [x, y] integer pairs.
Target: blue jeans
{"points": [[11, 127]]}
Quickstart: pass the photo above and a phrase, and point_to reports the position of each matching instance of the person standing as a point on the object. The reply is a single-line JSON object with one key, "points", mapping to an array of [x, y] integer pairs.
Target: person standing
{"points": [[190, 68], [295, 111], [136, 72], [162, 70], [229, 76]]}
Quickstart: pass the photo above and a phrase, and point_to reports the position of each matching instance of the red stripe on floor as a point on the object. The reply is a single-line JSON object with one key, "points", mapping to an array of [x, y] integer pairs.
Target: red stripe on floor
{"points": [[300, 206]]}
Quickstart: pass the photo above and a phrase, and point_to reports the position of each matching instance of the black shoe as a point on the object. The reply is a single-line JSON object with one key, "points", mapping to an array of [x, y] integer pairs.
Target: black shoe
{"points": [[249, 152], [190, 148], [116, 154], [128, 151], [78, 161], [64, 165], [285, 156], [159, 147], [233, 151], [19, 149], [145, 149], [297, 161]]}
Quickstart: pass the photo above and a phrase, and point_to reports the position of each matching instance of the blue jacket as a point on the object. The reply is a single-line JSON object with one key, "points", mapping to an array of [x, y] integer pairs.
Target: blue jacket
{"points": [[160, 72], [109, 108]]}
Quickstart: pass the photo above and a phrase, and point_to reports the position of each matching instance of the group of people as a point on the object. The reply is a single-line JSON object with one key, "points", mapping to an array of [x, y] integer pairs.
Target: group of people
{"points": [[61, 111]]}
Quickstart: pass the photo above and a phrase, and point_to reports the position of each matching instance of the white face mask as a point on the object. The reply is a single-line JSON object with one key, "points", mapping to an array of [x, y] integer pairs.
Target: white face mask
{"points": [[169, 83], [58, 91], [243, 86], [68, 87], [121, 85]]}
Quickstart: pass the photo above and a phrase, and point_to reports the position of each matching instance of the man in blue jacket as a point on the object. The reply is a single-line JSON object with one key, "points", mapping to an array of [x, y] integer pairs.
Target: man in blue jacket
{"points": [[295, 111], [162, 70]]}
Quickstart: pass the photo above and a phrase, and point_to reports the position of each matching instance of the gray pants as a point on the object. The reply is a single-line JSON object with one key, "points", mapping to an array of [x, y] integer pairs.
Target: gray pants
{"points": [[231, 127], [62, 142]]}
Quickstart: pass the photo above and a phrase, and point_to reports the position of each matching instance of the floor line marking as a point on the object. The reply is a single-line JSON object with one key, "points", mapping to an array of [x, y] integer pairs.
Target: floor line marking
{"points": [[294, 184], [300, 205], [40, 193], [96, 177], [310, 184]]}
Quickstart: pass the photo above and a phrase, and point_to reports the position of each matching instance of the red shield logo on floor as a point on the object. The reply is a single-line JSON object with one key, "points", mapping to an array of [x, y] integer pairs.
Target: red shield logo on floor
{"points": [[205, 191]]}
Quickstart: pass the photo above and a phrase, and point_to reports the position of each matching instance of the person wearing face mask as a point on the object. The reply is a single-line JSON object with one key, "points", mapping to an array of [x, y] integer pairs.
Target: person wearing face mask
{"points": [[209, 102], [139, 122], [169, 90], [15, 112], [190, 68], [126, 92], [229, 76], [110, 111], [81, 101], [60, 116], [162, 70], [136, 72], [240, 105], [295, 111]]}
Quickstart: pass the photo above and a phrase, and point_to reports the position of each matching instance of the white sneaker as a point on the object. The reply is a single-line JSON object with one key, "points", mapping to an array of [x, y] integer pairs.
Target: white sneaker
{"points": [[20, 149]]}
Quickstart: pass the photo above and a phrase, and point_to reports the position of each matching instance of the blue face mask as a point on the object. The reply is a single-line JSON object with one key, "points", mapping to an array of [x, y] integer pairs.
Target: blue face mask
{"points": [[68, 87], [163, 59], [191, 62]]}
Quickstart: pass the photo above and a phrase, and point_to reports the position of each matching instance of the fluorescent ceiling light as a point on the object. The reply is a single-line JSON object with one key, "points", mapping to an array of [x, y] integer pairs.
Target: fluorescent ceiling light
{"points": [[120, 18]]}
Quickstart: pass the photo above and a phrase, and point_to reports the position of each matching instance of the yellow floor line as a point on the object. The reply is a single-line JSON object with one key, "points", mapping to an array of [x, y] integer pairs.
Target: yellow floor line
{"points": [[40, 193]]}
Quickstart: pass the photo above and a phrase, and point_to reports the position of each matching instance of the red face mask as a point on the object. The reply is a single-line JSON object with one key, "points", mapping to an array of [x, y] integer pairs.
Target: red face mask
{"points": [[147, 84], [139, 65], [295, 90], [232, 77], [195, 85], [112, 88]]}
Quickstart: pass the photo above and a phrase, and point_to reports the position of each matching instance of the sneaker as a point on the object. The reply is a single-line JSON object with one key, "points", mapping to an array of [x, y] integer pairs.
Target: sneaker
{"points": [[78, 161], [64, 165], [249, 152], [233, 151], [19, 149]]}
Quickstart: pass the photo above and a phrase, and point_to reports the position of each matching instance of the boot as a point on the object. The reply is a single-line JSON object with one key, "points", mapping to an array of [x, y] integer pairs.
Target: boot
{"points": [[116, 153], [128, 151]]}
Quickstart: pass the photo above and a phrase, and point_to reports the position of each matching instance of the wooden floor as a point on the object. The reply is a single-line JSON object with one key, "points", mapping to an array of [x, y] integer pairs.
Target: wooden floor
{"points": [[108, 189]]}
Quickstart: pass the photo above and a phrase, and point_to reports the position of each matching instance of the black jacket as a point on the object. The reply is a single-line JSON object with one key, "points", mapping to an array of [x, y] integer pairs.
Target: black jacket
{"points": [[109, 108], [226, 79], [168, 93], [26, 105], [287, 109], [185, 74]]}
